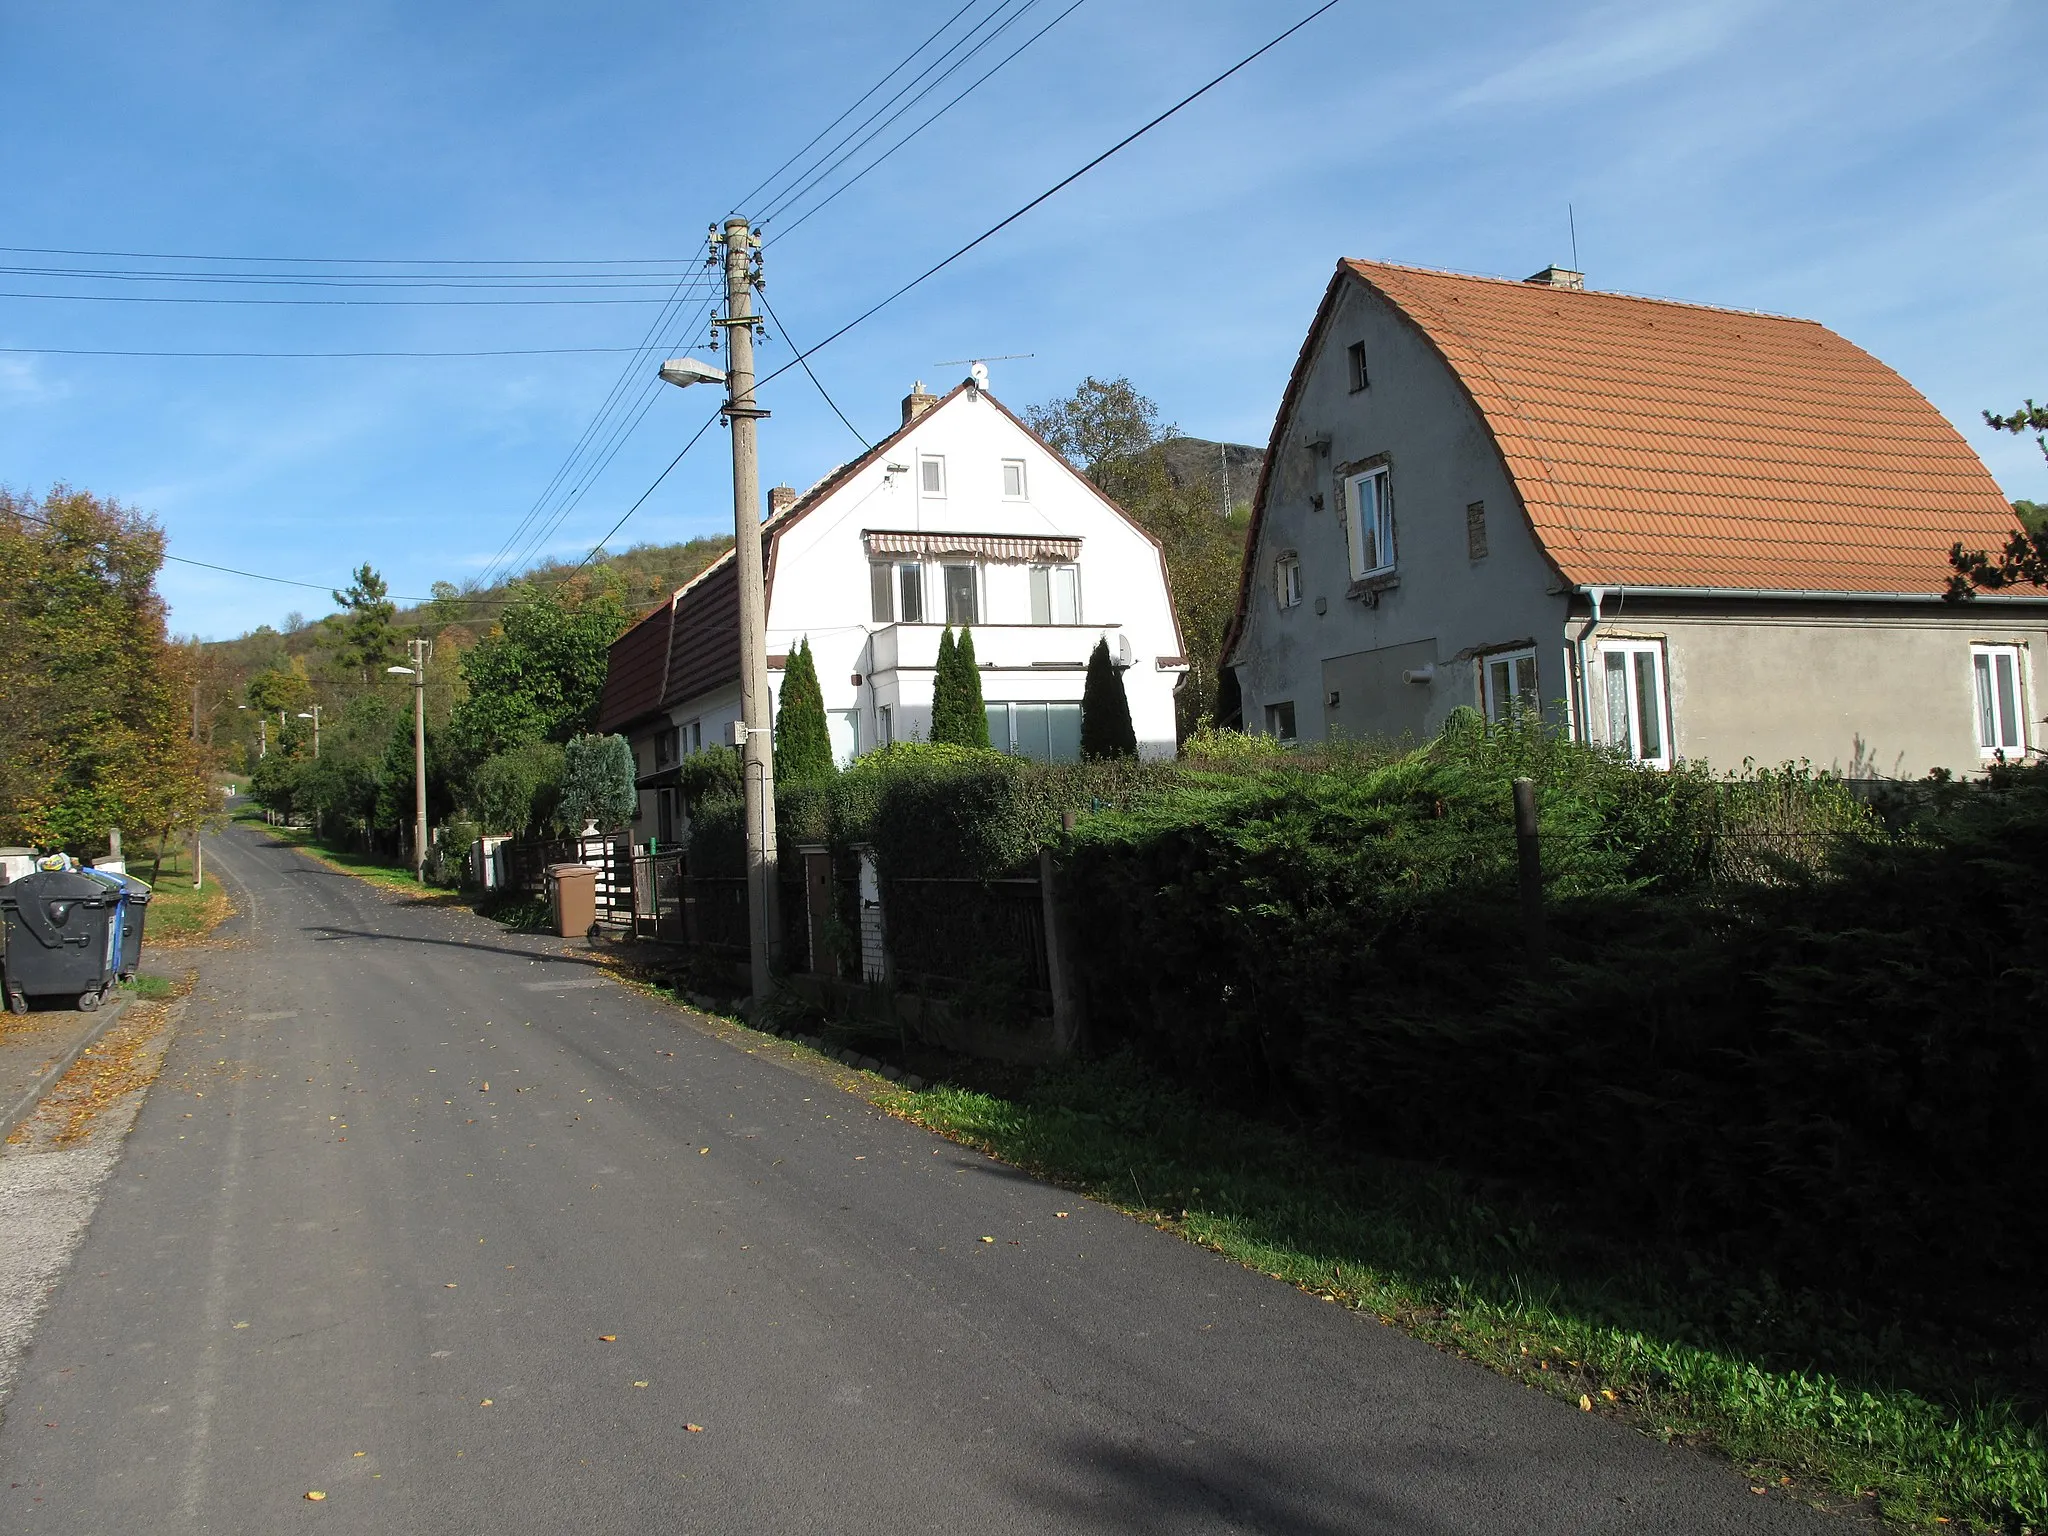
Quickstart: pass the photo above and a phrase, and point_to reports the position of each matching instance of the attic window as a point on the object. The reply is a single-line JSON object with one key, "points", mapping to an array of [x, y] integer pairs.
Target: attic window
{"points": [[1475, 530], [1354, 357], [931, 470]]}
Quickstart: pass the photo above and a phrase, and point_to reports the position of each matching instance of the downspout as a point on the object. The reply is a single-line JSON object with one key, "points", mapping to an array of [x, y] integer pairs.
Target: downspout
{"points": [[1586, 677]]}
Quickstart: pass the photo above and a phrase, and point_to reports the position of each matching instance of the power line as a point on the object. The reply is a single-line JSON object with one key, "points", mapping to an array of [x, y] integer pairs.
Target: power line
{"points": [[1058, 186], [850, 182], [807, 369], [615, 527], [357, 261], [492, 352], [163, 298]]}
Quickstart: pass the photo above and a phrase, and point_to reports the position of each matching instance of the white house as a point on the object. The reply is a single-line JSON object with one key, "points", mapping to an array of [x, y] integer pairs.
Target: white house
{"points": [[964, 517]]}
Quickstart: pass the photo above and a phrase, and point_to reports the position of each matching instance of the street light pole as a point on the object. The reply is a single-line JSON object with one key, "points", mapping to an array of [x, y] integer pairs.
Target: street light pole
{"points": [[756, 736], [421, 649], [315, 718]]}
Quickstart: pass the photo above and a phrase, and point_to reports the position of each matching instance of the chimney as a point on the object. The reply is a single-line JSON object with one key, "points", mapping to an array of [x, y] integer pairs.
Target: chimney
{"points": [[1559, 277], [780, 499], [917, 402]]}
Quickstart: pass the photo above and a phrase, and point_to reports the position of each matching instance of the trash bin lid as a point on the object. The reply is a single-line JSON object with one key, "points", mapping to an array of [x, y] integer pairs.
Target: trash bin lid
{"points": [[571, 871], [59, 885]]}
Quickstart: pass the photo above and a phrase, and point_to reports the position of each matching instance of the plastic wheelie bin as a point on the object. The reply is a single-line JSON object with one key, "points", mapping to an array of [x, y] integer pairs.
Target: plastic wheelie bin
{"points": [[63, 936], [572, 889], [135, 895]]}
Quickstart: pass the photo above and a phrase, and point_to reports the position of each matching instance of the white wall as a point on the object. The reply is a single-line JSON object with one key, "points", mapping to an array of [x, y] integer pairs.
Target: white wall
{"points": [[820, 578]]}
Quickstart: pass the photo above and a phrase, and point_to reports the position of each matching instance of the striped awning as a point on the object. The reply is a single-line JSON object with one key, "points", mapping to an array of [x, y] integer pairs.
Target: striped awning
{"points": [[1002, 548]]}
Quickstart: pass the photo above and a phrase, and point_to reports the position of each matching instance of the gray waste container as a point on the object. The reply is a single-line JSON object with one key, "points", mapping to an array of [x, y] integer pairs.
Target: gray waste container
{"points": [[135, 895], [63, 937]]}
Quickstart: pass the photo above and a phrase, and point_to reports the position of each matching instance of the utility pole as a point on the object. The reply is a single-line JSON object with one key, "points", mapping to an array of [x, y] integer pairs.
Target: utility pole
{"points": [[421, 648], [757, 752]]}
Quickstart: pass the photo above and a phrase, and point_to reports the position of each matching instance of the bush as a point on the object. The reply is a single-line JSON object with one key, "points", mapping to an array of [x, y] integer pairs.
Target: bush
{"points": [[597, 782], [803, 743], [519, 790], [1106, 729]]}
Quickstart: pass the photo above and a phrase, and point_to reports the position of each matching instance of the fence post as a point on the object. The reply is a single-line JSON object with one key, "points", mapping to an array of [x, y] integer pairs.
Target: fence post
{"points": [[1529, 855], [1067, 1014]]}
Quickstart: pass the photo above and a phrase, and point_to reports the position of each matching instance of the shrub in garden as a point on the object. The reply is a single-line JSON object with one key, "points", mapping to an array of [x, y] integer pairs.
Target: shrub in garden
{"points": [[959, 717], [597, 782], [803, 744], [1106, 729]]}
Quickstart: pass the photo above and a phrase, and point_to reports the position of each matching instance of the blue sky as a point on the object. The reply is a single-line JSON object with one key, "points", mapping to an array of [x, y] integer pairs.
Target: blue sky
{"points": [[1868, 164]]}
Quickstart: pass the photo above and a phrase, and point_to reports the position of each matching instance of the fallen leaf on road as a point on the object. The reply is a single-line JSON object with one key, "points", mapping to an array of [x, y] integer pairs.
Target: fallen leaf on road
{"points": [[1586, 1406], [701, 1151], [241, 1325], [361, 1454], [485, 1089], [639, 1383], [695, 1429], [988, 1239], [315, 1495], [607, 1338], [485, 1403], [449, 1286], [1061, 1214], [1604, 1392]]}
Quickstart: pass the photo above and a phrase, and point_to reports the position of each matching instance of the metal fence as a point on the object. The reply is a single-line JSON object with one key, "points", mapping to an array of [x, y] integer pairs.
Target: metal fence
{"points": [[947, 935], [526, 864]]}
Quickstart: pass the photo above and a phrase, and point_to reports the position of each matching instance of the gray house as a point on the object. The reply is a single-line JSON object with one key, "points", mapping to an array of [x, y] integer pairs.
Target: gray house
{"points": [[1694, 533]]}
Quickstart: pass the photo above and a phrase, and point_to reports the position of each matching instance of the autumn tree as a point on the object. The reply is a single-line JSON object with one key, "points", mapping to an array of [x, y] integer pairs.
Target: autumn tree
{"points": [[95, 699], [1112, 434]]}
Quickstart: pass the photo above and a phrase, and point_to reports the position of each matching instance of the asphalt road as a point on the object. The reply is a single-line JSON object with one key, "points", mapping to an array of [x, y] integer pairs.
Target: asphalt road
{"points": [[428, 1168]]}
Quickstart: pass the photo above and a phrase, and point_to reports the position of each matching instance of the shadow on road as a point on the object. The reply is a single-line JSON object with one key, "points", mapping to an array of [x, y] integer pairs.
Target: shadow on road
{"points": [[324, 932]]}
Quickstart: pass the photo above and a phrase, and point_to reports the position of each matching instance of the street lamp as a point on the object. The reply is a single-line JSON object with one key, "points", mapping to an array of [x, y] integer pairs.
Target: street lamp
{"points": [[421, 649], [755, 734], [315, 718]]}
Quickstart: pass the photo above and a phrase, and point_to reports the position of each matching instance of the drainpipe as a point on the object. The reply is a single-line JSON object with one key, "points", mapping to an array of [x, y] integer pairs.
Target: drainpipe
{"points": [[1585, 676]]}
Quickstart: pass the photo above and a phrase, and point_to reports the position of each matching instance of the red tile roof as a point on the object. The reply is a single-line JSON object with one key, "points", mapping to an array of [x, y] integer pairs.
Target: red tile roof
{"points": [[1661, 444]]}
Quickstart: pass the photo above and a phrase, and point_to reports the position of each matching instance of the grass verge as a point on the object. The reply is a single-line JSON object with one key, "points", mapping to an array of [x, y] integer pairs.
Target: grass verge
{"points": [[1719, 1360], [374, 868], [178, 914]]}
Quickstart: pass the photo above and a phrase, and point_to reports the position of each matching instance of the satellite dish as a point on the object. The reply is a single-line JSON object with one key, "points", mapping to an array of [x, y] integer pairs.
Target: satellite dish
{"points": [[979, 373]]}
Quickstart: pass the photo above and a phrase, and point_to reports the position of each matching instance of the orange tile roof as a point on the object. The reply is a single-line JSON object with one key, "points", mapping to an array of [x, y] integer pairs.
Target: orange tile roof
{"points": [[1661, 444]]}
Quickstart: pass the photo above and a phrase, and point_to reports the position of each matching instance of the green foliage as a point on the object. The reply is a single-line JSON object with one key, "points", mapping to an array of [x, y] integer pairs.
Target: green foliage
{"points": [[274, 783], [2023, 562], [339, 788], [1101, 422], [368, 637], [597, 782], [517, 791], [539, 675], [1106, 729], [959, 717], [1214, 746], [709, 774], [397, 802], [95, 702], [803, 744]]}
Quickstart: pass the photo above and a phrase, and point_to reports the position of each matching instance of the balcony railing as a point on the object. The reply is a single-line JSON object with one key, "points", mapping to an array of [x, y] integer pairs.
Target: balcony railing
{"points": [[1052, 646]]}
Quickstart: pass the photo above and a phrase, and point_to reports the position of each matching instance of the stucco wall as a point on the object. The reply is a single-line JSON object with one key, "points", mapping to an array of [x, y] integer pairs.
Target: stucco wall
{"points": [[1872, 690], [1446, 606]]}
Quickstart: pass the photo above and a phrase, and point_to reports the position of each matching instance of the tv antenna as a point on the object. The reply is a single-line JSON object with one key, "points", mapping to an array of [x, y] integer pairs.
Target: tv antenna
{"points": [[1572, 219], [968, 362]]}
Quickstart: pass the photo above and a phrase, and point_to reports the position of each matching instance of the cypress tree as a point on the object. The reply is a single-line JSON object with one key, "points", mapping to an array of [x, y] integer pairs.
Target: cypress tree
{"points": [[958, 715], [803, 745], [1106, 729]]}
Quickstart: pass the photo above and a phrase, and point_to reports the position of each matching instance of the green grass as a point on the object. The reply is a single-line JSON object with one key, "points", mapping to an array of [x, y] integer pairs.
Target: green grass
{"points": [[1796, 1386], [152, 987], [178, 914], [374, 868]]}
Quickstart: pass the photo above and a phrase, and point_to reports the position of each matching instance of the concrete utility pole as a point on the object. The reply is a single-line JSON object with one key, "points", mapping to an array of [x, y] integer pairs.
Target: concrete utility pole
{"points": [[421, 649], [757, 752]]}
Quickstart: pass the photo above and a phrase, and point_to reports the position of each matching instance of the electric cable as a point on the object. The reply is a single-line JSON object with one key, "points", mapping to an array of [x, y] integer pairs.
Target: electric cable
{"points": [[813, 377], [487, 352], [356, 261], [167, 298], [615, 527]]}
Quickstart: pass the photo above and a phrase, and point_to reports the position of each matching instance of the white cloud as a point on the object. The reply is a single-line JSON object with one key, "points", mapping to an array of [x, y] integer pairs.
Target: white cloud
{"points": [[1612, 46]]}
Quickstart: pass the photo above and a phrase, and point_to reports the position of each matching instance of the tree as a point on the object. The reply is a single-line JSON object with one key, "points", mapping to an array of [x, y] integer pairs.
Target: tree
{"points": [[1111, 433], [368, 636], [803, 744], [597, 782], [519, 790], [958, 714], [1099, 424], [95, 700], [1106, 729], [2023, 562], [539, 674]]}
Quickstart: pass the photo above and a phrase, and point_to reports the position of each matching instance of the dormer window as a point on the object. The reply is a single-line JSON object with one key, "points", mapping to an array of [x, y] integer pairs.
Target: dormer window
{"points": [[931, 474]]}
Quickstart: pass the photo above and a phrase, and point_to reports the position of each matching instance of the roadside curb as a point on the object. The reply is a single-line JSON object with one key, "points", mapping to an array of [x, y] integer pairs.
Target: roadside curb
{"points": [[25, 1104]]}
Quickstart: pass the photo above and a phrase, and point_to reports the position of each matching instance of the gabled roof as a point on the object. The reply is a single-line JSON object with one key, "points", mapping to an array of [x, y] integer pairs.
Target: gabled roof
{"points": [[698, 629], [1659, 444]]}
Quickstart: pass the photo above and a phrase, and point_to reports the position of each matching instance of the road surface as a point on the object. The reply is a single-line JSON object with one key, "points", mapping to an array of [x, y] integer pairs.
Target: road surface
{"points": [[441, 1223]]}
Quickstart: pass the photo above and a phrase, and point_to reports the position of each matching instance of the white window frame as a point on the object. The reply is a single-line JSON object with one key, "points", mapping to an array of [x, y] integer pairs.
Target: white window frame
{"points": [[885, 725], [1047, 578], [1490, 704], [1632, 726], [1023, 491], [926, 462], [976, 588], [1287, 581], [1273, 720], [1985, 702], [1383, 521]]}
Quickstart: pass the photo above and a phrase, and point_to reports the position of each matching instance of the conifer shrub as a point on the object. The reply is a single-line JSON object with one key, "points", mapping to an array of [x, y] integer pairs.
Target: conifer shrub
{"points": [[803, 744], [959, 717], [1106, 730]]}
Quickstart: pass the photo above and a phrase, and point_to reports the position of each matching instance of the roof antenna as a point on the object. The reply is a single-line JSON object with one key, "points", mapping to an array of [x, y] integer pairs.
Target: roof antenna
{"points": [[1573, 219]]}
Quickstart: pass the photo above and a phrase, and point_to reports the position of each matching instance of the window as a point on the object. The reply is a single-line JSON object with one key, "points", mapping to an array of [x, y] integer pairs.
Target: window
{"points": [[1280, 720], [666, 819], [1055, 594], [2001, 726], [1632, 672], [885, 726], [1045, 733], [961, 607], [1354, 357], [693, 736], [843, 727], [1013, 479], [1370, 523], [1475, 530], [896, 592], [1287, 580], [1508, 684], [664, 747], [931, 474]]}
